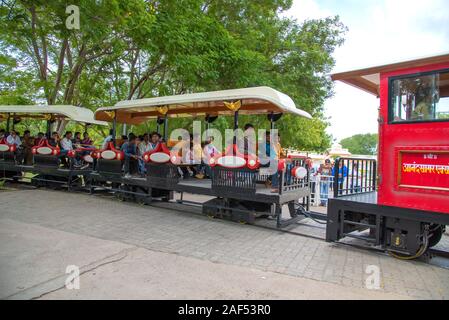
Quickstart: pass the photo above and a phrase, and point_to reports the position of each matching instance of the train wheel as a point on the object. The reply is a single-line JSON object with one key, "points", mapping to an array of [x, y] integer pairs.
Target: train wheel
{"points": [[401, 256], [422, 249], [436, 232], [141, 201], [119, 194]]}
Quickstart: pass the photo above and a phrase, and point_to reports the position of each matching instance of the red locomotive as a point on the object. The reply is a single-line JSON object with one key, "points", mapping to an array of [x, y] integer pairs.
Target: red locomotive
{"points": [[408, 212]]}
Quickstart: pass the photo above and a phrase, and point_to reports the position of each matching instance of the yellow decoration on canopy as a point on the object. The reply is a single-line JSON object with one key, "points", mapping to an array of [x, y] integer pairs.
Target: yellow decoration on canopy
{"points": [[111, 114], [162, 110], [47, 117], [233, 106]]}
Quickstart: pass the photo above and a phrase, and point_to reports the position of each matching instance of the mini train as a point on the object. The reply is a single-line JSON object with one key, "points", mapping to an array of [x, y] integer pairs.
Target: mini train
{"points": [[407, 208], [399, 202]]}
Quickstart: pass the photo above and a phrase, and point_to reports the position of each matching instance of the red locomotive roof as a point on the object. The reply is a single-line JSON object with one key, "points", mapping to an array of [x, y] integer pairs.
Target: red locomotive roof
{"points": [[368, 79]]}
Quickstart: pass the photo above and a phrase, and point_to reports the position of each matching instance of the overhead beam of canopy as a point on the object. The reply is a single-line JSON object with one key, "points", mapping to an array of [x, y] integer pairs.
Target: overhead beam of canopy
{"points": [[257, 100], [56, 112]]}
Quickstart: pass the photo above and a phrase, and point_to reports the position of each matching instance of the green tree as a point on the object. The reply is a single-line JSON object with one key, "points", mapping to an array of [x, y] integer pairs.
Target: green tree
{"points": [[361, 143], [135, 49], [35, 36]]}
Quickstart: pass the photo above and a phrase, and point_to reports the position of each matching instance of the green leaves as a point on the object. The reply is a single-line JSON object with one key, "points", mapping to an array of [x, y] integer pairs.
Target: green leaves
{"points": [[365, 144], [142, 48]]}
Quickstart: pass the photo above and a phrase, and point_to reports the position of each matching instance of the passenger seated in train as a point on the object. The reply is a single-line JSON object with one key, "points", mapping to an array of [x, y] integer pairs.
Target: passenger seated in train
{"points": [[14, 138], [188, 168], [66, 146], [155, 140], [130, 151], [66, 143], [87, 141], [108, 139], [121, 141], [38, 138], [209, 151], [144, 146], [249, 144], [77, 139], [27, 144], [2, 133], [55, 140]]}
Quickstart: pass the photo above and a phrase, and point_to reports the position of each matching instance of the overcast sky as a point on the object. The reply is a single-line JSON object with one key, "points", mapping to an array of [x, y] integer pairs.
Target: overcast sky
{"points": [[380, 32]]}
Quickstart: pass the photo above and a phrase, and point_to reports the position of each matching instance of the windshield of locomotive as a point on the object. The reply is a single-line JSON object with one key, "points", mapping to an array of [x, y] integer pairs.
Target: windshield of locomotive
{"points": [[423, 97]]}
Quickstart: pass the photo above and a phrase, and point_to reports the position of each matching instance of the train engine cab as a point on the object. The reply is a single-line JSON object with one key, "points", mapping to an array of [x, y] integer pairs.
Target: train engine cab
{"points": [[408, 212]]}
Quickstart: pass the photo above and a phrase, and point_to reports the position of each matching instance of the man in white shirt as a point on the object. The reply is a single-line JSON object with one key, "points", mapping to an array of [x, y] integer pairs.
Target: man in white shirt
{"points": [[66, 145], [66, 142], [145, 145], [14, 138]]}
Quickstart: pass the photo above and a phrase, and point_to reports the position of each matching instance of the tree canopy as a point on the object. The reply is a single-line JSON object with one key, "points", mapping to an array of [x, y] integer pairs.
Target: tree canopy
{"points": [[143, 48], [361, 143]]}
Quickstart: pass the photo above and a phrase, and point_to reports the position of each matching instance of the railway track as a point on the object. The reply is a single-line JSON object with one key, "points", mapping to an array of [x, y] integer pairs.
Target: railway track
{"points": [[426, 258]]}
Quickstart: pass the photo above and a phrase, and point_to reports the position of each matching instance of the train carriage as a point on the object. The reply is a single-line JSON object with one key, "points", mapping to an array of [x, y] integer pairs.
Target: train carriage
{"points": [[49, 167], [235, 178], [407, 211]]}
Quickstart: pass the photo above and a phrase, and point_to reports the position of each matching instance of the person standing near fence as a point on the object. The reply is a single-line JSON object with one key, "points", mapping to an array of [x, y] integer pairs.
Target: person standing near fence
{"points": [[325, 172], [313, 171], [342, 174]]}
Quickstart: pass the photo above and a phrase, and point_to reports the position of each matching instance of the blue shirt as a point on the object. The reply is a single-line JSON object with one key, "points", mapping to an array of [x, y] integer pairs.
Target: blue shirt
{"points": [[129, 149], [343, 174]]}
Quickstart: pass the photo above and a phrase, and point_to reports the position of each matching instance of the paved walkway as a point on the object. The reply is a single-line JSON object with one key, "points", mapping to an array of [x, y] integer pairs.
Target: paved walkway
{"points": [[188, 235]]}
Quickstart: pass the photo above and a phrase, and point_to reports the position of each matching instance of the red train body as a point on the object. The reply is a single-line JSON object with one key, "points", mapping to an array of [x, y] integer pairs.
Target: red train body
{"points": [[409, 211], [413, 151], [414, 155]]}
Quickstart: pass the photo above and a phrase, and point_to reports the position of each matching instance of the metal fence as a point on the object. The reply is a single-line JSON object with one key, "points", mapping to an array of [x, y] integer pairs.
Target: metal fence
{"points": [[350, 176], [321, 188], [354, 176]]}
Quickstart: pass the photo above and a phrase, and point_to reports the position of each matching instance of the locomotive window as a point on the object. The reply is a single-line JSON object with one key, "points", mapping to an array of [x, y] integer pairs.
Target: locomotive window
{"points": [[423, 97]]}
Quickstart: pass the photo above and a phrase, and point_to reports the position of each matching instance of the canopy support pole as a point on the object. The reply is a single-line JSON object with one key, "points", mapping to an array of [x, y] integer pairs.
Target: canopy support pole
{"points": [[114, 129], [165, 128], [13, 123], [8, 121], [236, 120], [271, 121], [207, 122], [158, 126], [236, 125], [48, 130]]}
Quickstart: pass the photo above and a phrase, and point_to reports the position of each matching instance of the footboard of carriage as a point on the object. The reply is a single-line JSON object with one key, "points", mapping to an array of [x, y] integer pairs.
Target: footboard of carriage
{"points": [[162, 175], [8, 164], [108, 166], [234, 181]]}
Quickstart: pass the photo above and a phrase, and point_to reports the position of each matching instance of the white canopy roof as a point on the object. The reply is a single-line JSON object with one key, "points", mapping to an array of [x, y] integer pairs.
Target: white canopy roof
{"points": [[73, 113], [257, 100]]}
